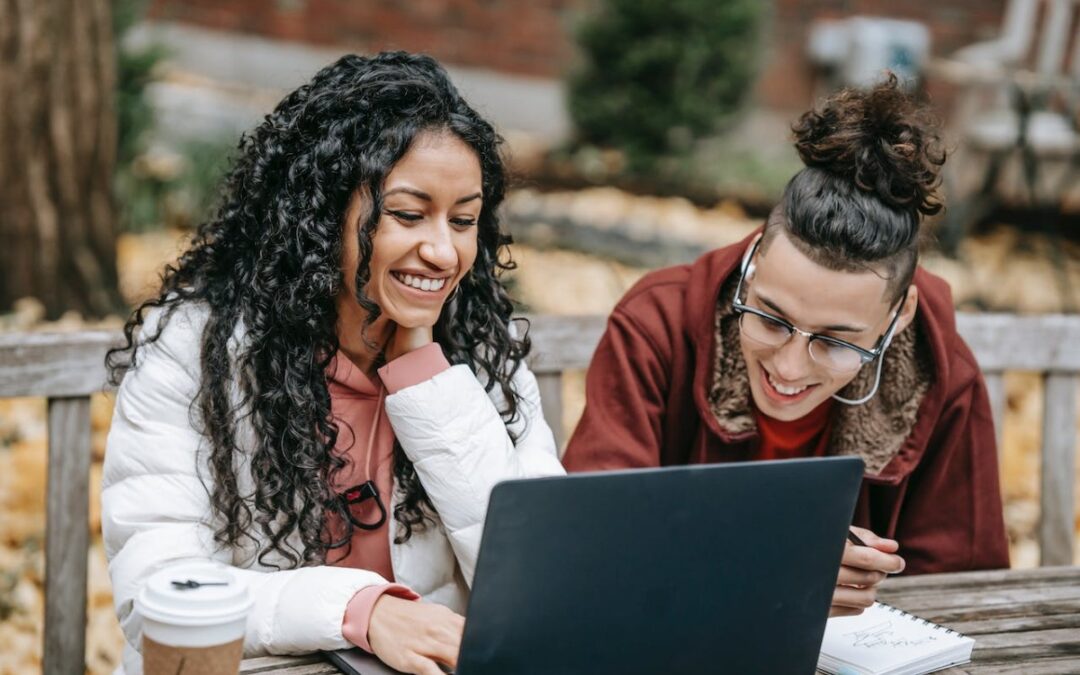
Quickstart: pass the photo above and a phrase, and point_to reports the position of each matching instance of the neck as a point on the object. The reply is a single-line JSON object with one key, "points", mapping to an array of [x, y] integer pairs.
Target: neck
{"points": [[361, 346]]}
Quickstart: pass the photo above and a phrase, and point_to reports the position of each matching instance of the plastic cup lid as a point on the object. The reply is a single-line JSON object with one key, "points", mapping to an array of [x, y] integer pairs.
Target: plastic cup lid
{"points": [[194, 593]]}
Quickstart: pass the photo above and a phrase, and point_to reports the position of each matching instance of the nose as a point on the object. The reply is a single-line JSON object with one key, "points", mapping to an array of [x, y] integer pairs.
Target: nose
{"points": [[437, 248], [791, 362]]}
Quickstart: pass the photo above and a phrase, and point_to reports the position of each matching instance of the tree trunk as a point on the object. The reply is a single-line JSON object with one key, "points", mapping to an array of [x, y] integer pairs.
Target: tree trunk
{"points": [[57, 153]]}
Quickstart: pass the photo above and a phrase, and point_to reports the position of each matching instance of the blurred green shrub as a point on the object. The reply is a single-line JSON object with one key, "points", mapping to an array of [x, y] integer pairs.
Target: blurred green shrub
{"points": [[134, 71], [172, 187], [658, 74], [156, 186]]}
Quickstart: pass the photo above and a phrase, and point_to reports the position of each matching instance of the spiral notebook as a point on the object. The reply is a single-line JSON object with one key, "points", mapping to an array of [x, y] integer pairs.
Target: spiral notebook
{"points": [[885, 640]]}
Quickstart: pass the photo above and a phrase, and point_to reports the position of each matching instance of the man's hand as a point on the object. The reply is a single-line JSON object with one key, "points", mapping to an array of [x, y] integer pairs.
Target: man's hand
{"points": [[861, 570], [414, 637]]}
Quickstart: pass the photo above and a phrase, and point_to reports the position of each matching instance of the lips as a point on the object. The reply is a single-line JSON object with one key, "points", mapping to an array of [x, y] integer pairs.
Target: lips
{"points": [[783, 394]]}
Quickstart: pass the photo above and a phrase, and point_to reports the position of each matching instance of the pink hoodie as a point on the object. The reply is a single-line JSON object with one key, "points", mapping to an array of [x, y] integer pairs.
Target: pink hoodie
{"points": [[366, 438]]}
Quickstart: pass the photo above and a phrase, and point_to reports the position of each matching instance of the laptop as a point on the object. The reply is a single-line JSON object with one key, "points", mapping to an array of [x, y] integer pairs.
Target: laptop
{"points": [[708, 568]]}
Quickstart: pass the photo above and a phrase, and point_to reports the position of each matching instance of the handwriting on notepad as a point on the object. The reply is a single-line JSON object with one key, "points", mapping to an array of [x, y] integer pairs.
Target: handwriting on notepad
{"points": [[883, 635]]}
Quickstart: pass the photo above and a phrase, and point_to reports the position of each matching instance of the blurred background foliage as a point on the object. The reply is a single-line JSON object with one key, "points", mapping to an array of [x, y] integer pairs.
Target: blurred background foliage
{"points": [[658, 75], [156, 185]]}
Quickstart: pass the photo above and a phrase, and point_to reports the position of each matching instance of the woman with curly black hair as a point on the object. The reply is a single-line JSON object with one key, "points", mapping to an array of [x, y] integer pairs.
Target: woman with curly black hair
{"points": [[287, 403], [817, 335]]}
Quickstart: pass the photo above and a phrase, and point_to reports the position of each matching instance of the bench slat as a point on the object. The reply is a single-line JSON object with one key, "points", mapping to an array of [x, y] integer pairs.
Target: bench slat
{"points": [[70, 364], [1009, 342], [551, 399], [1058, 471], [54, 364], [995, 389], [67, 535], [564, 342]]}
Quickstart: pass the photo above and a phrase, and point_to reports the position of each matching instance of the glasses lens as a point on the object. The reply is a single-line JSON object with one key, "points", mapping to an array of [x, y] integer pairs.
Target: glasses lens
{"points": [[765, 331], [834, 356]]}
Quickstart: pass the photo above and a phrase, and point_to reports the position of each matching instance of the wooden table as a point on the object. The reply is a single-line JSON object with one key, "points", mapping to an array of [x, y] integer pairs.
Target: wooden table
{"points": [[1023, 621]]}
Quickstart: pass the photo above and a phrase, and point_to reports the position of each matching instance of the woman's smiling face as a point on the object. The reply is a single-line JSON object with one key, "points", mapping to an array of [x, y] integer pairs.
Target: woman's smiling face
{"points": [[426, 238], [785, 382]]}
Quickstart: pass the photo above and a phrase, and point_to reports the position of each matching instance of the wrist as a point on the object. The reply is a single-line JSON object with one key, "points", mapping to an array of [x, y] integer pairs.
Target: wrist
{"points": [[360, 610], [414, 367]]}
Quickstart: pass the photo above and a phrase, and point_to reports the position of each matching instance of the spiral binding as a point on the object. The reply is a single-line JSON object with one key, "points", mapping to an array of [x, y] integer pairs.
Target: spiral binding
{"points": [[918, 619]]}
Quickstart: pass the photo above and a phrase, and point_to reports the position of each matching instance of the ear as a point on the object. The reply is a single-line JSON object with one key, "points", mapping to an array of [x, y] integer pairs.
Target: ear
{"points": [[747, 266], [907, 311]]}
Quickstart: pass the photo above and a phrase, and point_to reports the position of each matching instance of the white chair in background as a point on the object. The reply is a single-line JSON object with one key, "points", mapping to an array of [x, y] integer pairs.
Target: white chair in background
{"points": [[1018, 99], [1017, 108]]}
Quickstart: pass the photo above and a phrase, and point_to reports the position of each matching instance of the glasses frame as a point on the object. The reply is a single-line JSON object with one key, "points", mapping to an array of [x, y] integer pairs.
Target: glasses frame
{"points": [[865, 355]]}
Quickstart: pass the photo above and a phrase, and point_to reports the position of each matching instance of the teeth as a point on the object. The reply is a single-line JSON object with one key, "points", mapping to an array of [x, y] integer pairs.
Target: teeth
{"points": [[421, 283], [786, 391]]}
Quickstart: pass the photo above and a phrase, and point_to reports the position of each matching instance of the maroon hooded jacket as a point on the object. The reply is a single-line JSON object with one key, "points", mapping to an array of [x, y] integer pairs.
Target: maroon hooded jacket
{"points": [[662, 390]]}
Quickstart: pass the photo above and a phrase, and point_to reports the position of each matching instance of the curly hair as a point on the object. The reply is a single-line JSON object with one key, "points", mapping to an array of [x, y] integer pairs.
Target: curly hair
{"points": [[873, 163], [269, 259]]}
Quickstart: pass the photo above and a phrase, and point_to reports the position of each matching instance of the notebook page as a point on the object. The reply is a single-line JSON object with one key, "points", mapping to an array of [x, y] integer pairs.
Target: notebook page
{"points": [[884, 639]]}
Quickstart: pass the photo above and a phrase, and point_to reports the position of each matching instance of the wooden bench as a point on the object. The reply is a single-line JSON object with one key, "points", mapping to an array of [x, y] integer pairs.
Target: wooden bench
{"points": [[66, 368]]}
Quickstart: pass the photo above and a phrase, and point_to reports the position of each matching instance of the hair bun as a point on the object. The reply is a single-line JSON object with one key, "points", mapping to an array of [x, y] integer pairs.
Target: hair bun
{"points": [[882, 140]]}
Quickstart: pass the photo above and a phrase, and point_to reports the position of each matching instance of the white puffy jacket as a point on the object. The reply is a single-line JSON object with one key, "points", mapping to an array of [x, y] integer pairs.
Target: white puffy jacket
{"points": [[155, 509]]}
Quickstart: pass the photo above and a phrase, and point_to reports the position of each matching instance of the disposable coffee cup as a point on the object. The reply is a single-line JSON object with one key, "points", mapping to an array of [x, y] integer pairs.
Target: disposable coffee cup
{"points": [[194, 619]]}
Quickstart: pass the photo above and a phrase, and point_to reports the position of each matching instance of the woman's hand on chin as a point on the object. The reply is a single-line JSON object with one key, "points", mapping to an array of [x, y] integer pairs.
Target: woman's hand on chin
{"points": [[404, 340]]}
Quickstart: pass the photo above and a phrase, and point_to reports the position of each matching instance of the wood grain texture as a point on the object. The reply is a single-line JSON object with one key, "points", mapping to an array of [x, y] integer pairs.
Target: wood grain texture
{"points": [[312, 664], [995, 389], [1023, 621], [67, 535], [551, 398], [563, 342], [1011, 342], [54, 364], [1058, 516]]}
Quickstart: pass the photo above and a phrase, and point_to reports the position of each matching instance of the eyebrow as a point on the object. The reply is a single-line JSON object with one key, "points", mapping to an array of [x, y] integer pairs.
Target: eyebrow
{"points": [[420, 194], [837, 328]]}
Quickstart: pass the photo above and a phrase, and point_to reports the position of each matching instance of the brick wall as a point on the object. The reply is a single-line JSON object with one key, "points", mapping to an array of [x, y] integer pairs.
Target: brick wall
{"points": [[533, 37], [527, 37]]}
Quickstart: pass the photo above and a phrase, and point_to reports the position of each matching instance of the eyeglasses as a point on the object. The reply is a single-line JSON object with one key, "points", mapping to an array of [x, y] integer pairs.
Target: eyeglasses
{"points": [[358, 494], [770, 330]]}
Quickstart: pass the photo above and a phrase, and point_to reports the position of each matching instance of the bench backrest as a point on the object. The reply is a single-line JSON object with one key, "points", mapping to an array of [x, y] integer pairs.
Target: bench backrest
{"points": [[67, 368]]}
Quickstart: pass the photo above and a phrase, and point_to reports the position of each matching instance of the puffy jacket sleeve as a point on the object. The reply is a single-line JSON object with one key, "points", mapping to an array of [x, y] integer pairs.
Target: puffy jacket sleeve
{"points": [[451, 429], [951, 518], [622, 426], [156, 510]]}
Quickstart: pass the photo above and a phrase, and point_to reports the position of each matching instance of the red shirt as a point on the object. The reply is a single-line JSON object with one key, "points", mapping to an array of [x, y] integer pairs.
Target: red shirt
{"points": [[807, 436]]}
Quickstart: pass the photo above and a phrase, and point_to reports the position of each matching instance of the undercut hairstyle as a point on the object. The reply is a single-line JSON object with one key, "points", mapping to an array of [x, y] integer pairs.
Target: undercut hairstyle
{"points": [[270, 259], [872, 171]]}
